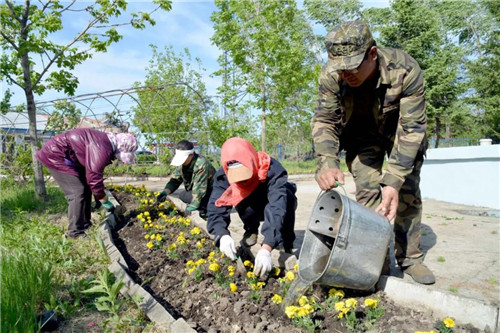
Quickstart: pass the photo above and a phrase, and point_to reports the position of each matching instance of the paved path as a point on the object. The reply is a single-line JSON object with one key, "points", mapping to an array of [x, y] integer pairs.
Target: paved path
{"points": [[461, 242]]}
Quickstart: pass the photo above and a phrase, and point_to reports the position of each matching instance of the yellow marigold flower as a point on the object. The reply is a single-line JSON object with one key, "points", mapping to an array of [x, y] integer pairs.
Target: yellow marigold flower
{"points": [[339, 306], [305, 310], [341, 315], [277, 299], [296, 267], [303, 301], [290, 276], [248, 263], [291, 311], [158, 237], [190, 263], [146, 213], [250, 275], [371, 303], [277, 271], [146, 236], [172, 247], [151, 200], [200, 262], [233, 287], [230, 274], [149, 244], [157, 226], [195, 231], [351, 303], [214, 267], [191, 270], [448, 322], [230, 268], [146, 225], [139, 216], [211, 254], [203, 240], [199, 245]]}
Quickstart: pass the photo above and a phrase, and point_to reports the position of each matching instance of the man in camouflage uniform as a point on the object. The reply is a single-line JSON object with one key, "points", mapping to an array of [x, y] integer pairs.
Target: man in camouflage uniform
{"points": [[197, 174], [371, 103]]}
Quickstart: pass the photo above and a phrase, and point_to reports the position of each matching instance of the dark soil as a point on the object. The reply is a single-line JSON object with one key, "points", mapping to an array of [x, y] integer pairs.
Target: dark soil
{"points": [[209, 306]]}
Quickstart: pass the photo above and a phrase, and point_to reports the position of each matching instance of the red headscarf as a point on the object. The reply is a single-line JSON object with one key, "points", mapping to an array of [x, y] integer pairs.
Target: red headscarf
{"points": [[238, 149]]}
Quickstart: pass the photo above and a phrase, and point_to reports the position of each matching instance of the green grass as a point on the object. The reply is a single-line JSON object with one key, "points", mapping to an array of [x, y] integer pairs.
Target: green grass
{"points": [[40, 269]]}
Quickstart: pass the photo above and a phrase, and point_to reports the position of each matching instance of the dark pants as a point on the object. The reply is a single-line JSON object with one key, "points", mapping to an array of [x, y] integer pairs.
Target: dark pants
{"points": [[187, 197], [79, 198], [252, 209]]}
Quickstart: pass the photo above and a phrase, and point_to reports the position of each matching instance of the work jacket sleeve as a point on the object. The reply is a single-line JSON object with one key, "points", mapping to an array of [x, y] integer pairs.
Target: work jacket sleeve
{"points": [[175, 180], [96, 159], [275, 210], [218, 218], [327, 122], [410, 131], [201, 176]]}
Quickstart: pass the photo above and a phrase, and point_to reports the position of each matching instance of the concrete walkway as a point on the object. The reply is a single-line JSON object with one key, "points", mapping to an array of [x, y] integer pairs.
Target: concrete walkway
{"points": [[461, 244]]}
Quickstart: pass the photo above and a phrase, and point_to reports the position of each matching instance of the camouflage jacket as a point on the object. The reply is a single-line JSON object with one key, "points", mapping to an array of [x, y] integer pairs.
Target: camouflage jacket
{"points": [[198, 176], [397, 103]]}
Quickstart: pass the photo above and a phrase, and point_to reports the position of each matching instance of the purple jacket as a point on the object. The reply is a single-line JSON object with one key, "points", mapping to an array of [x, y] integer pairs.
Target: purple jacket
{"points": [[79, 151]]}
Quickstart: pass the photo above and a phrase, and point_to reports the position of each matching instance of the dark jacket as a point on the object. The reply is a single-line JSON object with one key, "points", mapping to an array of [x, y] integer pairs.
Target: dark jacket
{"points": [[270, 196], [79, 152]]}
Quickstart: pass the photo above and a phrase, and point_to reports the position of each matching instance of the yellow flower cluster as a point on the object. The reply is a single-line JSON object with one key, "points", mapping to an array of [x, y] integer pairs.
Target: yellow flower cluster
{"points": [[336, 293], [201, 243], [257, 285], [214, 267], [448, 322], [306, 307], [277, 299], [231, 270], [181, 239], [192, 265], [153, 237], [371, 303], [248, 263], [195, 231], [344, 307], [289, 277], [233, 287], [431, 331]]}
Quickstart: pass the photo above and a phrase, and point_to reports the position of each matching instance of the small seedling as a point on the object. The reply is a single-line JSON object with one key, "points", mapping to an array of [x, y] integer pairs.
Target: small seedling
{"points": [[453, 290], [441, 259]]}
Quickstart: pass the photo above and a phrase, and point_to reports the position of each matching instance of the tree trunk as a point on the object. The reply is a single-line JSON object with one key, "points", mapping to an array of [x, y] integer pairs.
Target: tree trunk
{"points": [[437, 130], [263, 136], [40, 190]]}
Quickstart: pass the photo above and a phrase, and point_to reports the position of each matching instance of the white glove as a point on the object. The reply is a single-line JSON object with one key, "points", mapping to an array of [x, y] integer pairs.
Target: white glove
{"points": [[227, 247], [263, 263]]}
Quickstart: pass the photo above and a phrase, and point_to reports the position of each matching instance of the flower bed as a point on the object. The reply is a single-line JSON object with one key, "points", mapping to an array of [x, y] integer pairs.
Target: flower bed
{"points": [[179, 265]]}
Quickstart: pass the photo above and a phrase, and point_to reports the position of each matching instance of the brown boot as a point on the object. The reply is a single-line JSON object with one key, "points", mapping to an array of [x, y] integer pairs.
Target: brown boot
{"points": [[420, 273]]}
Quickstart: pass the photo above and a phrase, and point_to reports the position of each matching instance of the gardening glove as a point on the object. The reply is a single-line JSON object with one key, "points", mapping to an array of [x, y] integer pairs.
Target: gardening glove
{"points": [[108, 205], [227, 247], [263, 263], [162, 196], [189, 210]]}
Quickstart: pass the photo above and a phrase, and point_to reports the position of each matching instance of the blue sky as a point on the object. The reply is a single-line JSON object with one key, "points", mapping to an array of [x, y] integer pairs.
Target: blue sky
{"points": [[187, 25]]}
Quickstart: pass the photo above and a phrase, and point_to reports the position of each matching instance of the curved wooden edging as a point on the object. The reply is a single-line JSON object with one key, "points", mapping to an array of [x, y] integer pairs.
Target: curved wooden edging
{"points": [[151, 307]]}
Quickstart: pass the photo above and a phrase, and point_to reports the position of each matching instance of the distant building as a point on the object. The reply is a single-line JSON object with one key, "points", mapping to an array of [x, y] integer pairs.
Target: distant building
{"points": [[14, 129]]}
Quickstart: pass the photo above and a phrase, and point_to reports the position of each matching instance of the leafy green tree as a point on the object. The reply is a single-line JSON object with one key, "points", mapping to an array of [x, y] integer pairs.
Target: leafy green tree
{"points": [[330, 13], [65, 116], [415, 27], [176, 106], [35, 61], [269, 44]]}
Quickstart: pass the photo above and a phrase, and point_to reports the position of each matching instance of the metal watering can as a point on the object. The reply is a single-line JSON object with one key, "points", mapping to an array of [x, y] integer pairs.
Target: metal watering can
{"points": [[345, 244]]}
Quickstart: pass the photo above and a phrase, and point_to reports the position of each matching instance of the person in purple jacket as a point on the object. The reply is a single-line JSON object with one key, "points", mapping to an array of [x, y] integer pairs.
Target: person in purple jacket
{"points": [[76, 159]]}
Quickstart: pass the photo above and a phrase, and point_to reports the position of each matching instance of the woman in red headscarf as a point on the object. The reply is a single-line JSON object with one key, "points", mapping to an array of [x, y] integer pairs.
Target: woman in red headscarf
{"points": [[257, 186]]}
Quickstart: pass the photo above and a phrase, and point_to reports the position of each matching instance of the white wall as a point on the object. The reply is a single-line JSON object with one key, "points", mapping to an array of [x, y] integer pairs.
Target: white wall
{"points": [[463, 175]]}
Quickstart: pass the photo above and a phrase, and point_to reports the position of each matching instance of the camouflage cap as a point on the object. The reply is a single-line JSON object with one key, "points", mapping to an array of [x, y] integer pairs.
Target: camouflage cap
{"points": [[347, 44]]}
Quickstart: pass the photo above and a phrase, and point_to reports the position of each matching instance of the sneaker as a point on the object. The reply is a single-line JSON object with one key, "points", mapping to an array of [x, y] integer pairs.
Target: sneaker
{"points": [[249, 239], [420, 273]]}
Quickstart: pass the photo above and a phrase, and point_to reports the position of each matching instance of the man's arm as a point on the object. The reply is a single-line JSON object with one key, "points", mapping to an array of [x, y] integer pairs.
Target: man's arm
{"points": [[175, 181], [326, 126], [410, 131], [200, 184]]}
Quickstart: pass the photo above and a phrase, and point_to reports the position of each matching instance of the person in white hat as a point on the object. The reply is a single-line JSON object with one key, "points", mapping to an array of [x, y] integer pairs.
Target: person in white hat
{"points": [[197, 174]]}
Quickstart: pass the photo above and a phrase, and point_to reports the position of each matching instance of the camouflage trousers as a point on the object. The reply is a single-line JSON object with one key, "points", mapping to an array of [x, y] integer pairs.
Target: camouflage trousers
{"points": [[366, 167]]}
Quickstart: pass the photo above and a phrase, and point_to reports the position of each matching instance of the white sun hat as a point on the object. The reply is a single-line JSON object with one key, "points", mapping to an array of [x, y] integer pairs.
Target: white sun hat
{"points": [[181, 157]]}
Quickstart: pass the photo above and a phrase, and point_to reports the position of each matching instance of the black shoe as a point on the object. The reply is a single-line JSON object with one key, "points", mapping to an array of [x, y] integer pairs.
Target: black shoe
{"points": [[249, 239]]}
